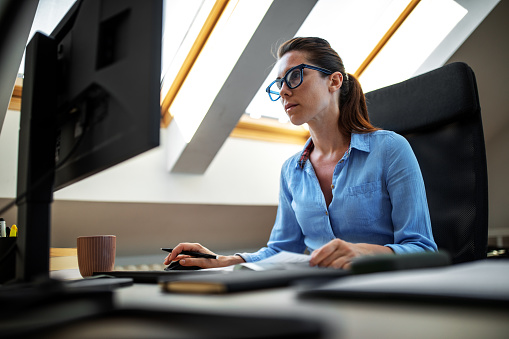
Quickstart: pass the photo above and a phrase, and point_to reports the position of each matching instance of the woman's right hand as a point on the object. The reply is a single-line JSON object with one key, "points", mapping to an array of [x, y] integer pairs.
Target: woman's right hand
{"points": [[186, 260]]}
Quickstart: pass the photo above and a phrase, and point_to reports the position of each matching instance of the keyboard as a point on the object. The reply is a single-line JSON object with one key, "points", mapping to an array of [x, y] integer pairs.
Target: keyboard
{"points": [[142, 267]]}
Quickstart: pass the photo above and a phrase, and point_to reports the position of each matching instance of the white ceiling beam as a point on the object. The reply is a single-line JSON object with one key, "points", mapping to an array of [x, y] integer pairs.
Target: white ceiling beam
{"points": [[280, 23]]}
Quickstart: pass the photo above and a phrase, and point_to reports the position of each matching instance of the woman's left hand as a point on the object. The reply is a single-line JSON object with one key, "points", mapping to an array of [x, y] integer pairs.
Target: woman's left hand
{"points": [[338, 253]]}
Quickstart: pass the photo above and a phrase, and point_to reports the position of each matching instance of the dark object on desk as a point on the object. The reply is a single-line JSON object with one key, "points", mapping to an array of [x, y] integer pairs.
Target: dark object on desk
{"points": [[146, 323], [439, 114], [175, 266], [481, 283], [398, 262], [152, 277], [99, 282], [7, 259], [29, 308], [49, 310], [247, 280]]}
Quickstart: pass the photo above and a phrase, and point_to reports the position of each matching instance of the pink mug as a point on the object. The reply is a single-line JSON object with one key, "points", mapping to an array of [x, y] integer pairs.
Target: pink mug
{"points": [[96, 253]]}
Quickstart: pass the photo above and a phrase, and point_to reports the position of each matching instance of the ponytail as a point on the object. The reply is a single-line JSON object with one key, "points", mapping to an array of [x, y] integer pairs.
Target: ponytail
{"points": [[353, 115]]}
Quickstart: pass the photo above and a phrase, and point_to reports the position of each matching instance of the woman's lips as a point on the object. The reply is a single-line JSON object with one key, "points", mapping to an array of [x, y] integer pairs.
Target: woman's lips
{"points": [[289, 106]]}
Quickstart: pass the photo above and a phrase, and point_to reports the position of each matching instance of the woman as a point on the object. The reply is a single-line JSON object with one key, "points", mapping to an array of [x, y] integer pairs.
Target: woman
{"points": [[354, 190]]}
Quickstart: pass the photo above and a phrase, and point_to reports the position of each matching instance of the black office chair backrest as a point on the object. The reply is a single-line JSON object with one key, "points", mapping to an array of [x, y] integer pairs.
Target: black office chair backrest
{"points": [[439, 114]]}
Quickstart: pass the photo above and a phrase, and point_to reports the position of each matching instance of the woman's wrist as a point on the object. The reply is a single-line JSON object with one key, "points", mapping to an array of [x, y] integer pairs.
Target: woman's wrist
{"points": [[235, 260]]}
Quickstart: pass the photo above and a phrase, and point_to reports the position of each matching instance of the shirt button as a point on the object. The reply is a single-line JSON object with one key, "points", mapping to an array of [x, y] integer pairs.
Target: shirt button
{"points": [[341, 161], [332, 186], [326, 213]]}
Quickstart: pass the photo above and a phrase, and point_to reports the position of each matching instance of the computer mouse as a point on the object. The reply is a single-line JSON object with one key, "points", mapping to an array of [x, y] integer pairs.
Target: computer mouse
{"points": [[175, 266]]}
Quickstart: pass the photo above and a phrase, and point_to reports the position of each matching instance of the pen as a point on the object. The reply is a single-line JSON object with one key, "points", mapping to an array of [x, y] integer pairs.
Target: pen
{"points": [[193, 254], [2, 228]]}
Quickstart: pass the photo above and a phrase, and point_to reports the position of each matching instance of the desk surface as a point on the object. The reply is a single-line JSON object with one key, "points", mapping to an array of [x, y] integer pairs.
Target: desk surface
{"points": [[343, 318], [346, 319]]}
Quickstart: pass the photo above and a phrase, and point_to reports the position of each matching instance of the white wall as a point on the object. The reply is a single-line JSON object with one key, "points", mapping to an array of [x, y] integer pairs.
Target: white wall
{"points": [[9, 154], [244, 172]]}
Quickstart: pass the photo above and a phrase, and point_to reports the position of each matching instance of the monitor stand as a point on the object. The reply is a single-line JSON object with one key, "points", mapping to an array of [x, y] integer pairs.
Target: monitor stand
{"points": [[36, 160]]}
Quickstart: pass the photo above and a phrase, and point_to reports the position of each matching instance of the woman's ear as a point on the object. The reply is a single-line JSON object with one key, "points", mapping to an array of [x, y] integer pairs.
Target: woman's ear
{"points": [[336, 80]]}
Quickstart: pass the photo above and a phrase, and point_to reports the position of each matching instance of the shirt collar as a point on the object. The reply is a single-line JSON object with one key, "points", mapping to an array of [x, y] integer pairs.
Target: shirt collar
{"points": [[358, 141]]}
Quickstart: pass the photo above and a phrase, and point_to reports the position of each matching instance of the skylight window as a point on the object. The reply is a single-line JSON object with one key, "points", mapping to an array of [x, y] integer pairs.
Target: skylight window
{"points": [[183, 21], [208, 74], [354, 28], [424, 29]]}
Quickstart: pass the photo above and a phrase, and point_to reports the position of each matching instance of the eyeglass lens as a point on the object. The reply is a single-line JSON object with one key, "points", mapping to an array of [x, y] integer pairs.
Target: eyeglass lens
{"points": [[293, 79]]}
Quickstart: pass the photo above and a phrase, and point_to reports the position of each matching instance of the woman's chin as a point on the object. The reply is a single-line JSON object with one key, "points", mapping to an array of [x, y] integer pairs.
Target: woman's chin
{"points": [[296, 120]]}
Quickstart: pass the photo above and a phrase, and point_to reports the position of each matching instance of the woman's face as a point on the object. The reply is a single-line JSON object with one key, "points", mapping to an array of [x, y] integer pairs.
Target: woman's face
{"points": [[313, 98]]}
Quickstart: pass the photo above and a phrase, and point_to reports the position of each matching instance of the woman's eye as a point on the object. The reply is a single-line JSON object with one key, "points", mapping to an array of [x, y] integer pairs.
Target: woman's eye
{"points": [[294, 77]]}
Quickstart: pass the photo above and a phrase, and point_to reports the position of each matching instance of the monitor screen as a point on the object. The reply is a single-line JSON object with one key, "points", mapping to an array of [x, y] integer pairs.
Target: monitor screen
{"points": [[91, 99], [108, 90]]}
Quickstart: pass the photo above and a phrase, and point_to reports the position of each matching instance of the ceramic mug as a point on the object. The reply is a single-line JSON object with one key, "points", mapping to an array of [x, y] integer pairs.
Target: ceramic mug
{"points": [[96, 253]]}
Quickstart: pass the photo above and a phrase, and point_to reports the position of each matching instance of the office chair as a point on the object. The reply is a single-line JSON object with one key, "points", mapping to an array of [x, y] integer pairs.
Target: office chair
{"points": [[439, 114]]}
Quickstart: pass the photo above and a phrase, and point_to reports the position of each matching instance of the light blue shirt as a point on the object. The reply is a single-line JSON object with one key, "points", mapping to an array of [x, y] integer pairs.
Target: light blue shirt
{"points": [[378, 198]]}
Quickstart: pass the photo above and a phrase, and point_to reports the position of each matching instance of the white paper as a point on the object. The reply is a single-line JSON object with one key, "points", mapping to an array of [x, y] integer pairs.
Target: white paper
{"points": [[226, 268], [281, 260], [287, 257]]}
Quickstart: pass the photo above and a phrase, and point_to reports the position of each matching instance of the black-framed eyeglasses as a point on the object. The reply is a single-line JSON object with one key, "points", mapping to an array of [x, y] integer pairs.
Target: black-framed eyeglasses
{"points": [[293, 78]]}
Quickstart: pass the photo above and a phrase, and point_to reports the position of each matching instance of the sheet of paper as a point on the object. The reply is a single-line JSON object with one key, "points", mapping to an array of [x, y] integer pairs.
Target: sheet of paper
{"points": [[227, 268], [286, 257], [279, 261]]}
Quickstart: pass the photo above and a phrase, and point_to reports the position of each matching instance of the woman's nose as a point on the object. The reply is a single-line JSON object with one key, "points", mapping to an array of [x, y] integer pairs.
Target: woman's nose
{"points": [[285, 90]]}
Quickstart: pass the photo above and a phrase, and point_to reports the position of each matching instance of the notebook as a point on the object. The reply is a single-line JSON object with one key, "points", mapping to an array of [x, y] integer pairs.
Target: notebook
{"points": [[246, 280]]}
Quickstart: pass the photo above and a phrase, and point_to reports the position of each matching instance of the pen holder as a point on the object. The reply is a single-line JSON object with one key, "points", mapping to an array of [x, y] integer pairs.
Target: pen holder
{"points": [[8, 249]]}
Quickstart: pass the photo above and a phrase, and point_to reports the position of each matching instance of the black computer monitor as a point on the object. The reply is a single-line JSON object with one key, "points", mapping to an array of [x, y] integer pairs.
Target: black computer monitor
{"points": [[91, 99], [16, 19]]}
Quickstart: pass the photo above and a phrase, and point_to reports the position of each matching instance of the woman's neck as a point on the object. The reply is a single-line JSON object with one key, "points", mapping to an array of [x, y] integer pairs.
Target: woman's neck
{"points": [[329, 141]]}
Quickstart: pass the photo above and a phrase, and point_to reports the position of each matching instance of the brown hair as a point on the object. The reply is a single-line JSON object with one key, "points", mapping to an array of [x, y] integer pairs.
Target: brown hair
{"points": [[353, 115]]}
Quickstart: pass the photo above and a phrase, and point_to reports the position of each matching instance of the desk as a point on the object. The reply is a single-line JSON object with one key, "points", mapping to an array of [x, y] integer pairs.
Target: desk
{"points": [[341, 318], [63, 258], [346, 319]]}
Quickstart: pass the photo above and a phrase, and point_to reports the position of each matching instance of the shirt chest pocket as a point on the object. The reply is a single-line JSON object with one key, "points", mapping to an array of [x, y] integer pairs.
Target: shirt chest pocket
{"points": [[364, 203]]}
